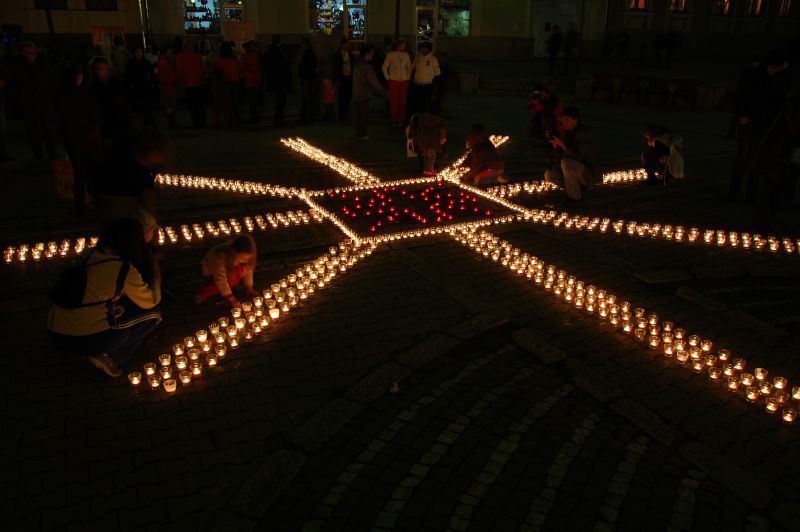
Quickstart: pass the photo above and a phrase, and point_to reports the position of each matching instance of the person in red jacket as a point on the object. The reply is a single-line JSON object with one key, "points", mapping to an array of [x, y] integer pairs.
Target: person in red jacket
{"points": [[251, 73], [227, 82], [190, 70], [168, 84]]}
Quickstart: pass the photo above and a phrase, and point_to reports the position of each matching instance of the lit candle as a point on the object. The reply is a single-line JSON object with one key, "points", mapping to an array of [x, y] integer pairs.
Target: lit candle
{"points": [[263, 322], [164, 359], [639, 334], [240, 323], [221, 351], [135, 378], [679, 334], [747, 379], [233, 342], [223, 322], [771, 405], [698, 366], [149, 369], [188, 342], [177, 349], [668, 326], [194, 354], [710, 360], [752, 394], [714, 373], [166, 372], [211, 359], [765, 387], [247, 306], [154, 381], [739, 364], [213, 328], [181, 362], [185, 377], [236, 312], [733, 384], [779, 383], [788, 414], [724, 355], [761, 374], [170, 385], [727, 370], [695, 353], [196, 368], [796, 393], [202, 335], [706, 346], [274, 313], [694, 340], [653, 341]]}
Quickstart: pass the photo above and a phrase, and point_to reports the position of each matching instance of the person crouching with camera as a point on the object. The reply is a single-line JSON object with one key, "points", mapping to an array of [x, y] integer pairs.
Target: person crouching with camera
{"points": [[576, 165]]}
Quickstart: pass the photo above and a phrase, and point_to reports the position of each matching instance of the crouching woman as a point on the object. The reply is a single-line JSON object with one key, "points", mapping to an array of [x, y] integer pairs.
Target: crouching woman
{"points": [[105, 306]]}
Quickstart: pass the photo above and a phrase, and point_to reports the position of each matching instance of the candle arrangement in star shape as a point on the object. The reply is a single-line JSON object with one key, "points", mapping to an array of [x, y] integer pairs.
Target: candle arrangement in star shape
{"points": [[426, 206]]}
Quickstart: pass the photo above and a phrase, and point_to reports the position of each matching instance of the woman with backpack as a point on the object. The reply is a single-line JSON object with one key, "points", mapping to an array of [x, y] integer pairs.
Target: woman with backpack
{"points": [[105, 306]]}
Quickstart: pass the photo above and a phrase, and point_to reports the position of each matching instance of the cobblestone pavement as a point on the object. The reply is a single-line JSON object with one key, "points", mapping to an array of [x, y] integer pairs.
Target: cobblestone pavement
{"points": [[426, 389]]}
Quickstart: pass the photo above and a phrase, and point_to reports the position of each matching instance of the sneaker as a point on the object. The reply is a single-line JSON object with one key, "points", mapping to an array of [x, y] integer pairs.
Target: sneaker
{"points": [[106, 364]]}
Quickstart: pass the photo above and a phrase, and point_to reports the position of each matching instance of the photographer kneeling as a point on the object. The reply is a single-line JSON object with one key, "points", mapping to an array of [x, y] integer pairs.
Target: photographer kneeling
{"points": [[576, 155]]}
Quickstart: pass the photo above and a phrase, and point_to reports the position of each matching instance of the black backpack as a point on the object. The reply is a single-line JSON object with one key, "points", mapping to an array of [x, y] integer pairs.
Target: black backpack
{"points": [[70, 288]]}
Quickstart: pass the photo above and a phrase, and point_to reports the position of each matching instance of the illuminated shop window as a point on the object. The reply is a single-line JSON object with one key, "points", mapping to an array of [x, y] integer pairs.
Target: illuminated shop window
{"points": [[201, 15], [722, 7], [454, 18], [357, 19], [785, 8], [637, 4], [677, 6], [339, 17], [755, 7]]}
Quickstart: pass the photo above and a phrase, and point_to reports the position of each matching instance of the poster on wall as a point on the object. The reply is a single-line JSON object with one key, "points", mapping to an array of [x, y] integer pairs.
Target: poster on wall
{"points": [[103, 37], [239, 32]]}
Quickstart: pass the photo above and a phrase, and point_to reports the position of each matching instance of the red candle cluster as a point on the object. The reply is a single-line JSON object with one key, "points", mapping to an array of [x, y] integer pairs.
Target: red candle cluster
{"points": [[439, 203]]}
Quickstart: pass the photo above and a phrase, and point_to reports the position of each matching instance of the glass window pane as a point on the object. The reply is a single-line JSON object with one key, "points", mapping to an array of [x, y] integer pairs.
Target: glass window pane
{"points": [[426, 25], [454, 18], [357, 23], [201, 15]]}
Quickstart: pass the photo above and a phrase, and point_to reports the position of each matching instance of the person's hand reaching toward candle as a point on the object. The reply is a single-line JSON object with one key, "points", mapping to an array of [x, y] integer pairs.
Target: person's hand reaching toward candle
{"points": [[252, 293], [232, 301]]}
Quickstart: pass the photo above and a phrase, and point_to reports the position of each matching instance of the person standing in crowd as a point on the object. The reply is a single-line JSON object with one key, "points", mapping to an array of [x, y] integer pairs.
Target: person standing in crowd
{"points": [[107, 305], [251, 75], [426, 68], [190, 70], [227, 266], [484, 163], [342, 76], [554, 44], [108, 91], [428, 133], [397, 71], [227, 76], [664, 154], [279, 78], [140, 85], [120, 56], [125, 181], [168, 84], [80, 125], [309, 83], [570, 43], [4, 156], [576, 151], [365, 84], [761, 94], [546, 107], [34, 88]]}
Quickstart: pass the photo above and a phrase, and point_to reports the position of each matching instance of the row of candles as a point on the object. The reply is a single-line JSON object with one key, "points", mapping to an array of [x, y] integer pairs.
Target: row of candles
{"points": [[225, 185], [208, 347], [674, 233], [166, 235], [541, 186], [699, 354], [339, 165]]}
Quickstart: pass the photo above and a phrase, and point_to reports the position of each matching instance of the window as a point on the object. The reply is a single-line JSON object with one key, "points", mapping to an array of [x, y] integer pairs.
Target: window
{"points": [[342, 17], [639, 5], [785, 8], [722, 7], [201, 16], [677, 6], [101, 5], [50, 4], [754, 7], [454, 18]]}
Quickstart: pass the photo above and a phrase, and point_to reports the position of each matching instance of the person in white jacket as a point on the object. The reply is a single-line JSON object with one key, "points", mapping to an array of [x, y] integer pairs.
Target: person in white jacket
{"points": [[426, 69], [397, 71]]}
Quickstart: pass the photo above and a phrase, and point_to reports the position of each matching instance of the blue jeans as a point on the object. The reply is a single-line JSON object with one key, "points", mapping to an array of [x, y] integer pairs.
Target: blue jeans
{"points": [[119, 344]]}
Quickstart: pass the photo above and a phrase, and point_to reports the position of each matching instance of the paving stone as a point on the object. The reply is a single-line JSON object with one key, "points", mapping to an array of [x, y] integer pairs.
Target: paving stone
{"points": [[647, 420], [478, 324], [662, 276], [428, 350], [324, 424], [697, 298], [593, 383], [267, 483], [378, 382], [533, 342]]}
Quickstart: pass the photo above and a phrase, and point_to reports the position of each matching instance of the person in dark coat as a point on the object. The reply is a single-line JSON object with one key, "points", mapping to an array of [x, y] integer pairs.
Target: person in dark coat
{"points": [[554, 44], [342, 75], [251, 75], [578, 165], [309, 83], [140, 87], [80, 125], [110, 94], [34, 89], [279, 78], [762, 92], [428, 132]]}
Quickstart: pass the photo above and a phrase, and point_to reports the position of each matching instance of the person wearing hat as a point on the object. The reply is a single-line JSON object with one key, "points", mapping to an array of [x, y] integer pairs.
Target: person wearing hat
{"points": [[576, 153]]}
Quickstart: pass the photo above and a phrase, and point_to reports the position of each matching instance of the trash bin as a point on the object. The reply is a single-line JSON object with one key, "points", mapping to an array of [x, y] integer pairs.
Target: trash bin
{"points": [[584, 85], [469, 81]]}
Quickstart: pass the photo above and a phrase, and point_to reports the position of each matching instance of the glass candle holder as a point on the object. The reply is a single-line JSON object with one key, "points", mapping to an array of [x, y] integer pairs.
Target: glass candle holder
{"points": [[189, 341], [219, 338], [240, 323], [779, 383], [698, 366], [274, 313], [761, 374], [751, 392], [224, 322], [165, 359], [196, 368], [170, 385], [739, 364], [706, 345], [213, 328], [668, 326], [765, 387], [714, 374], [796, 393], [181, 362], [248, 334], [727, 370], [639, 312], [653, 341], [724, 355], [695, 353], [747, 379], [232, 331], [233, 342], [263, 322], [154, 381], [251, 318], [780, 395], [211, 360], [135, 378], [201, 335], [680, 344], [177, 349], [681, 356], [771, 405], [193, 354], [236, 312], [652, 319], [680, 334], [694, 341], [205, 347], [247, 306], [166, 372], [710, 360], [221, 351], [640, 334], [641, 323], [733, 384], [185, 377], [149, 369], [654, 330], [788, 414], [285, 306]]}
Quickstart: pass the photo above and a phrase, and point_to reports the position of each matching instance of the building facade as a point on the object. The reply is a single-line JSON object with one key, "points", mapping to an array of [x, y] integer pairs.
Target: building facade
{"points": [[464, 29]]}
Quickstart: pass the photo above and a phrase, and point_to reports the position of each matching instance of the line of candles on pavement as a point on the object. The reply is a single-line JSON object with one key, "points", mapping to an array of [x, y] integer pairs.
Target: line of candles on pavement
{"points": [[225, 185], [167, 235], [339, 165], [208, 347], [689, 350]]}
